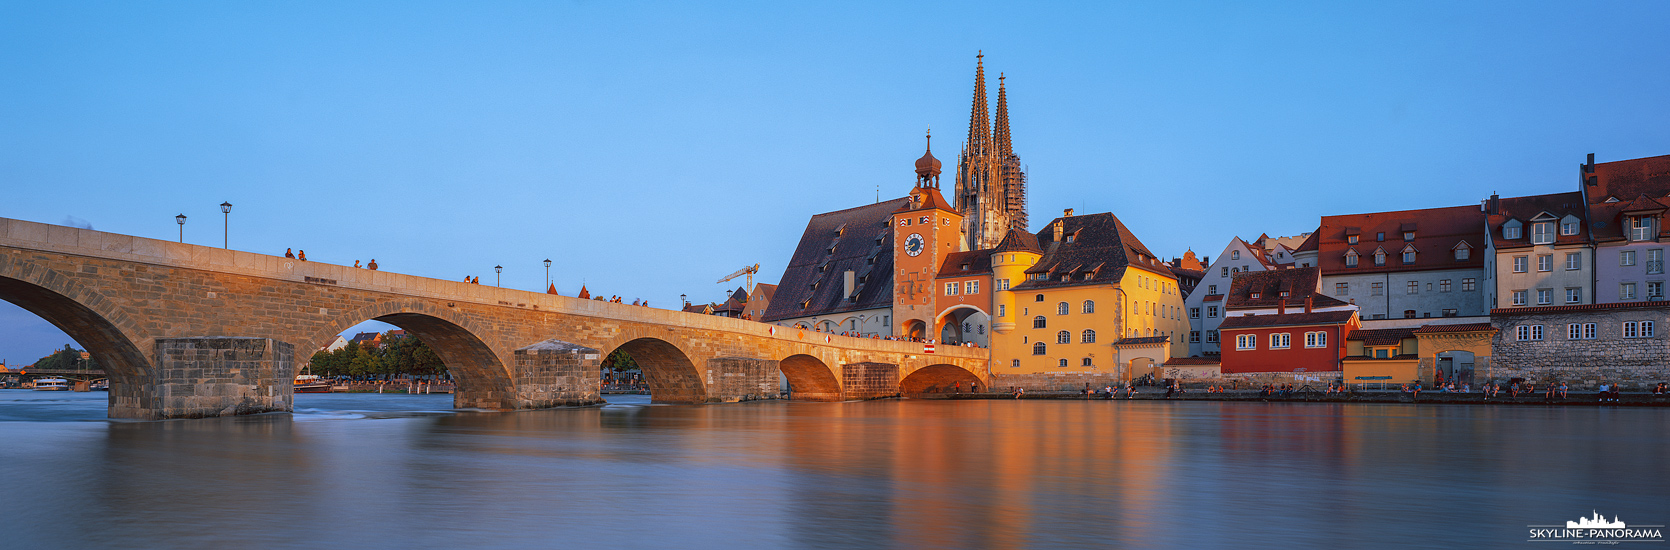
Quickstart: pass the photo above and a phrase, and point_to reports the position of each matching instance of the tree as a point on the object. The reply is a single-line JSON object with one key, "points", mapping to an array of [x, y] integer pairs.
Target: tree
{"points": [[619, 360], [68, 358]]}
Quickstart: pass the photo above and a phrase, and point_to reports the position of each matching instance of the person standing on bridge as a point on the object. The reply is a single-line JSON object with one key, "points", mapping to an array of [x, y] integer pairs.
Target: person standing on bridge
{"points": [[356, 264], [373, 265]]}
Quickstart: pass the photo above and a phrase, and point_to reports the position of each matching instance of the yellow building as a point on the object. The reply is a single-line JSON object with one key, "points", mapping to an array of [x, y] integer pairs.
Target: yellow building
{"points": [[1081, 302]]}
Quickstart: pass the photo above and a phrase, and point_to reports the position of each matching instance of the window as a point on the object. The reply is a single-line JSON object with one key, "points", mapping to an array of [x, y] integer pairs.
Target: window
{"points": [[1448, 312], [1518, 297], [1212, 311], [1086, 362], [1520, 264], [1542, 233], [1408, 235], [1194, 313], [1626, 291], [1408, 256], [1038, 298], [1510, 230], [1061, 363], [1413, 288], [1469, 284], [1342, 289], [1376, 289], [971, 287], [1280, 341], [1568, 227], [1545, 262], [1316, 339], [1089, 306], [1211, 289], [1626, 257], [1350, 239], [1655, 261], [1574, 295], [1443, 285], [1574, 260], [1350, 258], [1212, 336], [1002, 284], [1061, 308], [1379, 257], [1246, 341], [1641, 228], [1529, 332], [1038, 348], [1015, 363], [1655, 290], [1545, 296], [1631, 329], [1580, 331], [1063, 337], [1225, 271], [1408, 314], [1038, 322], [1087, 337], [1381, 236], [1462, 252], [1234, 254], [951, 289], [1646, 329], [1194, 336], [1254, 295]]}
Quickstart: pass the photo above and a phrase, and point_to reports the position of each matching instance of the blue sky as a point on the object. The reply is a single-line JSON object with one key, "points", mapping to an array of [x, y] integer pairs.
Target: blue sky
{"points": [[649, 149]]}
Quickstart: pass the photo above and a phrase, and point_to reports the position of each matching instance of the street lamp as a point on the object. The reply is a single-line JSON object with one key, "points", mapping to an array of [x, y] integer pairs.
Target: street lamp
{"points": [[686, 301], [181, 219], [547, 272], [497, 279], [226, 211]]}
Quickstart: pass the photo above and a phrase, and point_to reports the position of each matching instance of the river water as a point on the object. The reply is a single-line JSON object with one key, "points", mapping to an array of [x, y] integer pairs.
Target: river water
{"points": [[397, 471]]}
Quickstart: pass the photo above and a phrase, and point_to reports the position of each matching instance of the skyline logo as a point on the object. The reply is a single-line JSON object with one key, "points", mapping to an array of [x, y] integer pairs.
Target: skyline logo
{"points": [[1596, 529]]}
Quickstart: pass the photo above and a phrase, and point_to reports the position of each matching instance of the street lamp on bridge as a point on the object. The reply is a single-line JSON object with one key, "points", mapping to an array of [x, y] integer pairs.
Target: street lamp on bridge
{"points": [[547, 272], [498, 280], [181, 219], [226, 211]]}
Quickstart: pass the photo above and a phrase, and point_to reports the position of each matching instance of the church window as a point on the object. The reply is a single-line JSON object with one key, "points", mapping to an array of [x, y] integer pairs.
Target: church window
{"points": [[1039, 322]]}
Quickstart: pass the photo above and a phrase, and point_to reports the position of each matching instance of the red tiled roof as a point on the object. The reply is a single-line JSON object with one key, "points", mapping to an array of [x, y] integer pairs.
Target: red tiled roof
{"points": [[1438, 231], [852, 233], [1017, 240], [966, 264], [1299, 283], [1579, 307], [1469, 327], [1145, 340], [930, 198], [1291, 319], [1524, 209], [1626, 181], [1310, 242], [1102, 243], [1382, 336]]}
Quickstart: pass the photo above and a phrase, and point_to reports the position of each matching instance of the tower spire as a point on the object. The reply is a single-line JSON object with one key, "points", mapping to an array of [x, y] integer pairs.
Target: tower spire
{"points": [[979, 119], [928, 167], [1000, 131]]}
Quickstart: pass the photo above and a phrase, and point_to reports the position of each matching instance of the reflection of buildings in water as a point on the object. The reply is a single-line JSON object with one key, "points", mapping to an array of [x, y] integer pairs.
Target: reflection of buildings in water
{"points": [[839, 495]]}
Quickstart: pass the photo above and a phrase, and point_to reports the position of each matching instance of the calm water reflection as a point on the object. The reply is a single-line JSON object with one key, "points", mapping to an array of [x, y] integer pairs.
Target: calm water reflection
{"points": [[394, 471]]}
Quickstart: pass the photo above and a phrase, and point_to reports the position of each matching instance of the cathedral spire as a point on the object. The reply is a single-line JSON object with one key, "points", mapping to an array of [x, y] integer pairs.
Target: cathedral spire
{"points": [[1000, 132], [979, 119]]}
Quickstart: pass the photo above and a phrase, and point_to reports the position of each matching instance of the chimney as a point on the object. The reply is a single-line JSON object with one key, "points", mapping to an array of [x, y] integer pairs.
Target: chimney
{"points": [[1068, 213], [1589, 170], [1309, 302], [1495, 204], [1058, 229], [1281, 305], [847, 280]]}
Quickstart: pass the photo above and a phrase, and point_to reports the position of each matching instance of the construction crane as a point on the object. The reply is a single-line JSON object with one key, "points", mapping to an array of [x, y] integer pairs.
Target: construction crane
{"points": [[749, 271]]}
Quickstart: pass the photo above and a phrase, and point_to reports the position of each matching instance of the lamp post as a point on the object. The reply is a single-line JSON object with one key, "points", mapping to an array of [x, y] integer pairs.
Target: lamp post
{"points": [[181, 219], [547, 272], [498, 281], [685, 300], [226, 212]]}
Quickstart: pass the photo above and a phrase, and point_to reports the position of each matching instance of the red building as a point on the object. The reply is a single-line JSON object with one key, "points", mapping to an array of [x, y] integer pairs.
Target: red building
{"points": [[1279, 321]]}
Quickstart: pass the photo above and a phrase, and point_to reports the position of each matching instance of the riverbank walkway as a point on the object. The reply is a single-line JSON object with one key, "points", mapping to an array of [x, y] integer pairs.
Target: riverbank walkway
{"points": [[1156, 393]]}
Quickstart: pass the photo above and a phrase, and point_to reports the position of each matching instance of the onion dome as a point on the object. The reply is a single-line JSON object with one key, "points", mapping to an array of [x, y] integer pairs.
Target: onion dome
{"points": [[928, 165]]}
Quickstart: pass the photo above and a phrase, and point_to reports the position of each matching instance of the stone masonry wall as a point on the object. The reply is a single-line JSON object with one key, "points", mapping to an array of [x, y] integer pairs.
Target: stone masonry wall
{"points": [[221, 376], [1636, 363], [554, 373], [732, 379], [1049, 381], [870, 380]]}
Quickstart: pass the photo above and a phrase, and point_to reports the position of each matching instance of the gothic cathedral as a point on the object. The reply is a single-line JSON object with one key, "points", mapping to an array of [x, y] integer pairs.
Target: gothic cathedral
{"points": [[991, 185]]}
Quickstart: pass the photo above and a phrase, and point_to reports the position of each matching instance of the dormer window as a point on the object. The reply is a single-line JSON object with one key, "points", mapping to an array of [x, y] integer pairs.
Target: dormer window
{"points": [[1284, 294], [1350, 258], [1255, 295], [1409, 254], [1568, 226], [1379, 257], [1542, 233], [1351, 239], [1641, 228], [1380, 237], [1462, 251], [1408, 235]]}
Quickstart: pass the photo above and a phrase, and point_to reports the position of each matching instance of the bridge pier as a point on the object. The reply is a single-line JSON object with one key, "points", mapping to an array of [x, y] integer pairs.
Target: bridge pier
{"points": [[870, 380], [209, 376], [732, 379], [555, 373]]}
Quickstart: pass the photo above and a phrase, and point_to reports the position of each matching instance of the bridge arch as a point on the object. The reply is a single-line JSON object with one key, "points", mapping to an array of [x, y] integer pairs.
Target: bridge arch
{"points": [[92, 320], [942, 378], [479, 369], [962, 323], [810, 379], [671, 375]]}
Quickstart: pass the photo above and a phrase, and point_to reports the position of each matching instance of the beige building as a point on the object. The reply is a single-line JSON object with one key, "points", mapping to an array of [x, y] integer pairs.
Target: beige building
{"points": [[1539, 252]]}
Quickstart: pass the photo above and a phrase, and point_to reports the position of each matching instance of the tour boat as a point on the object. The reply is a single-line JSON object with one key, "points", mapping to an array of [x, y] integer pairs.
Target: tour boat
{"points": [[52, 384], [311, 383]]}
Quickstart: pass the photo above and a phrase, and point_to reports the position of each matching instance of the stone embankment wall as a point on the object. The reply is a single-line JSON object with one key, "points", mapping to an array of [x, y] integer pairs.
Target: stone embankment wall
{"points": [[1064, 381], [1636, 362]]}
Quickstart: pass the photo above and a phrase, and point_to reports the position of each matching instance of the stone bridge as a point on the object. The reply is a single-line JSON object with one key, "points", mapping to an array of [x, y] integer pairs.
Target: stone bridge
{"points": [[190, 331]]}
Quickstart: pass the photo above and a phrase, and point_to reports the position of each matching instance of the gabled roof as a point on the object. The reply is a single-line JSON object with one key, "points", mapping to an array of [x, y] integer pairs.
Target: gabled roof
{"points": [[1102, 246], [763, 291], [1627, 181], [1310, 243], [853, 247], [930, 199], [966, 264], [1019, 241], [1291, 319], [1299, 283], [1438, 231], [1382, 336], [1525, 209]]}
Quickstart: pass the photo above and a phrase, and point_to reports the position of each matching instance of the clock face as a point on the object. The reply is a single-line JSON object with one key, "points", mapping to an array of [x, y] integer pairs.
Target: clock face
{"points": [[913, 244]]}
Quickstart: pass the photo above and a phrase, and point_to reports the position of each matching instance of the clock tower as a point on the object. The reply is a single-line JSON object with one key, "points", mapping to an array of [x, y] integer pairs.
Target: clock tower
{"points": [[925, 231]]}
